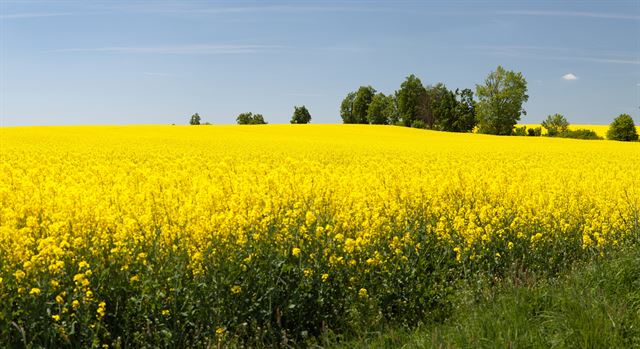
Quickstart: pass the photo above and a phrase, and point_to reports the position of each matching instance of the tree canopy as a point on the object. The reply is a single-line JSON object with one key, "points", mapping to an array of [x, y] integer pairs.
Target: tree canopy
{"points": [[408, 97], [301, 115], [556, 124], [195, 119], [623, 129], [381, 109], [500, 101], [250, 119]]}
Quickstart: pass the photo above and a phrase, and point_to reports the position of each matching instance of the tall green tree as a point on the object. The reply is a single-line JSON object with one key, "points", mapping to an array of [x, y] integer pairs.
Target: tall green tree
{"points": [[346, 108], [408, 97], [195, 119], [301, 115], [623, 129], [500, 101], [363, 98], [380, 109], [556, 124]]}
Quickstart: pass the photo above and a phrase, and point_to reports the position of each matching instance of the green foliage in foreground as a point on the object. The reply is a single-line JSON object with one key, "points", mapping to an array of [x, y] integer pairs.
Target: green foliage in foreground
{"points": [[593, 305]]}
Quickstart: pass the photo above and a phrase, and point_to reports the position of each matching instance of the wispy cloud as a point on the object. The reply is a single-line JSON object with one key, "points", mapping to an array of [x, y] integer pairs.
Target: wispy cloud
{"points": [[560, 54], [209, 49], [602, 15], [157, 74], [302, 94], [569, 77], [33, 15], [196, 7], [597, 60]]}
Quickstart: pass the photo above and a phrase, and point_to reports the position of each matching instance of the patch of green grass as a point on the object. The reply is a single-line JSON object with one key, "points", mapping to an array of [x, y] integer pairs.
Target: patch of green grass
{"points": [[592, 305]]}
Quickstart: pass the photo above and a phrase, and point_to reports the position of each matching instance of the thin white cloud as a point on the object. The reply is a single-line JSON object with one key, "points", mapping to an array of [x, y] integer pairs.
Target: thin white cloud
{"points": [[559, 54], [569, 77], [196, 7], [572, 14], [157, 74], [596, 60], [209, 49], [299, 94], [33, 15]]}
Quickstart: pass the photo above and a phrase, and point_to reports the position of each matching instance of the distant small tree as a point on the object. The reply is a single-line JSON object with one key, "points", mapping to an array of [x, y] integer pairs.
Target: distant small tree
{"points": [[195, 119], [623, 129], [301, 115], [555, 124], [250, 119], [500, 101]]}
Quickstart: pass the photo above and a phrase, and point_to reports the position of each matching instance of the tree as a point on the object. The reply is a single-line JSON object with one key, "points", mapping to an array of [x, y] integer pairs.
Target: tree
{"points": [[555, 124], [391, 110], [258, 119], [195, 119], [380, 109], [300, 115], [355, 105], [623, 129], [408, 96], [425, 108], [500, 101], [443, 108], [250, 119], [363, 98], [346, 108], [465, 111]]}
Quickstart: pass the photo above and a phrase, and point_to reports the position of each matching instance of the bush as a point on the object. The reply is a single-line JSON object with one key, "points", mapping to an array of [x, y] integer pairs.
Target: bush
{"points": [[579, 134], [520, 131], [556, 124], [418, 124], [623, 129], [534, 132]]}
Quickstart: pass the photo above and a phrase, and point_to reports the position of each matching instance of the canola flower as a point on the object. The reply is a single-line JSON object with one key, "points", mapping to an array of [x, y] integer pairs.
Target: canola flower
{"points": [[283, 227]]}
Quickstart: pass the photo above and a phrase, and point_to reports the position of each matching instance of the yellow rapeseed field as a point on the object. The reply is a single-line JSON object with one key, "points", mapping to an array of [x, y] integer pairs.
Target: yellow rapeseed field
{"points": [[184, 235]]}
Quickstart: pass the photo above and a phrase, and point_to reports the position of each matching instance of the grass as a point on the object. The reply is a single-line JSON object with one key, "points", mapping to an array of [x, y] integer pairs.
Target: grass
{"points": [[593, 305]]}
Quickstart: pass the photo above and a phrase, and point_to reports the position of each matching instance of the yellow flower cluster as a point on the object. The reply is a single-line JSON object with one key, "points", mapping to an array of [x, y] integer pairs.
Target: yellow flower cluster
{"points": [[83, 207]]}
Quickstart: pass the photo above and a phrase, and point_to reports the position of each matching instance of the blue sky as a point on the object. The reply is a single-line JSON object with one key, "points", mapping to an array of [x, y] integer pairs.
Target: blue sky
{"points": [[158, 62]]}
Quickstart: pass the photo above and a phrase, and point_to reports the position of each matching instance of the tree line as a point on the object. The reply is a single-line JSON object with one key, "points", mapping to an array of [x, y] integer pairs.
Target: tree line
{"points": [[436, 107], [497, 110]]}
